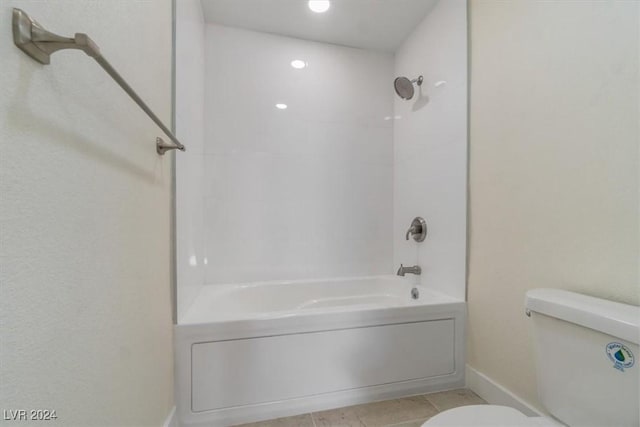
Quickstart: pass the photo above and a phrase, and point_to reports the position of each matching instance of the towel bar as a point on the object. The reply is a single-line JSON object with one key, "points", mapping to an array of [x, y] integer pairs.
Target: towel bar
{"points": [[39, 44]]}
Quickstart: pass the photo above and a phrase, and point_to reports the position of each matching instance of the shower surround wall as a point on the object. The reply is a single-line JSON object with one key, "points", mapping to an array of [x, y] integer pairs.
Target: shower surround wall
{"points": [[430, 149], [304, 192], [189, 110], [328, 186]]}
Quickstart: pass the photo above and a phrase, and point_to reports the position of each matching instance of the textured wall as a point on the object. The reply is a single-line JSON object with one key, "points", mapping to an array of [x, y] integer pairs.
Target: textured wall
{"points": [[304, 192], [430, 148], [554, 167], [84, 219]]}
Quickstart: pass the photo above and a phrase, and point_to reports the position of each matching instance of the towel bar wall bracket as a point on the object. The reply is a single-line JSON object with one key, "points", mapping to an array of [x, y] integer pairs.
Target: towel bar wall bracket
{"points": [[162, 146], [39, 44]]}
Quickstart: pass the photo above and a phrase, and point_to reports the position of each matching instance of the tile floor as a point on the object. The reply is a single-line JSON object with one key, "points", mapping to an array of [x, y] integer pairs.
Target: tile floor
{"points": [[406, 412]]}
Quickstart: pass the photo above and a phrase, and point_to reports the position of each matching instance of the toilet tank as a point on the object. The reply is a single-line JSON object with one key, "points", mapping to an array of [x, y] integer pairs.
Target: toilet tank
{"points": [[586, 354]]}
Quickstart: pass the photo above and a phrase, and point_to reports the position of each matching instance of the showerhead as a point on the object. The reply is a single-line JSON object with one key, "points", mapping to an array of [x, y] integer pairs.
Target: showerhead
{"points": [[404, 86]]}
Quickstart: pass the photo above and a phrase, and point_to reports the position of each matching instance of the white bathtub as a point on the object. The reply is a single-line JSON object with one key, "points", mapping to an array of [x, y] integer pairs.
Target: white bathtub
{"points": [[264, 350]]}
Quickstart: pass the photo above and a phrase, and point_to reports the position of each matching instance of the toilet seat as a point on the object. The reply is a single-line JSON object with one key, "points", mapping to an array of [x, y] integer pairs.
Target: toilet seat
{"points": [[486, 415]]}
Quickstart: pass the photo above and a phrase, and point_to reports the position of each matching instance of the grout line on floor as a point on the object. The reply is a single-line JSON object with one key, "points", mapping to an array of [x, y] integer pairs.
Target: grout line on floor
{"points": [[313, 419], [434, 405], [426, 396]]}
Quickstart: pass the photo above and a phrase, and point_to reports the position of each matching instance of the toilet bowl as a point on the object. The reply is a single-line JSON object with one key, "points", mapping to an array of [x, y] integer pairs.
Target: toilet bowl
{"points": [[602, 340], [487, 415]]}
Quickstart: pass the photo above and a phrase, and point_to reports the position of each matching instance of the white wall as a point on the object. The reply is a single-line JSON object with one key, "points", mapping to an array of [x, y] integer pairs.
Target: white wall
{"points": [[554, 167], [430, 149], [84, 219], [189, 105], [304, 192]]}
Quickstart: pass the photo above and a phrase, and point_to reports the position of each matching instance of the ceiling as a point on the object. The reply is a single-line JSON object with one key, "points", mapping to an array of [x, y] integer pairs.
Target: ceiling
{"points": [[367, 24]]}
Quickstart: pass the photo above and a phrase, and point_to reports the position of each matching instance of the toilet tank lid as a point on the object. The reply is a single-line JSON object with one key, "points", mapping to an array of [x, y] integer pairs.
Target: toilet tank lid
{"points": [[609, 317]]}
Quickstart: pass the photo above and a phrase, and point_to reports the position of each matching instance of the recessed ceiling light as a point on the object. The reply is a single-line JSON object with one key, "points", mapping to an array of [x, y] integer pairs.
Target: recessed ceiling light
{"points": [[298, 63], [319, 6], [281, 106]]}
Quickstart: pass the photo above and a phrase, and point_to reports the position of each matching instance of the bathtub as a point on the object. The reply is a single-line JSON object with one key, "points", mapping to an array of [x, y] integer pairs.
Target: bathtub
{"points": [[249, 352]]}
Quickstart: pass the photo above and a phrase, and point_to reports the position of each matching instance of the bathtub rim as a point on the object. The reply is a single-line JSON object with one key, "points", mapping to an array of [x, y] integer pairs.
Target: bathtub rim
{"points": [[429, 297]]}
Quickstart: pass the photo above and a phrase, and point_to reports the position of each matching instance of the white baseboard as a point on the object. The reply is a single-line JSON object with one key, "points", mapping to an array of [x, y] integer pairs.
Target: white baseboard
{"points": [[172, 419], [497, 394]]}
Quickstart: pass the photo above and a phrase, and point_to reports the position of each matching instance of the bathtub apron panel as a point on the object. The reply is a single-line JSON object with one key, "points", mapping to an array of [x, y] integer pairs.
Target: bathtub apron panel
{"points": [[260, 370]]}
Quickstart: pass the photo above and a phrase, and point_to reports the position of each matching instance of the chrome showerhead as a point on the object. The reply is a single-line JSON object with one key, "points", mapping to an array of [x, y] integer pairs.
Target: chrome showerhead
{"points": [[404, 86]]}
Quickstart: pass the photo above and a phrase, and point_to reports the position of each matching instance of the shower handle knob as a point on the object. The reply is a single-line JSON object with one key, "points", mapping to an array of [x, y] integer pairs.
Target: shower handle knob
{"points": [[418, 229]]}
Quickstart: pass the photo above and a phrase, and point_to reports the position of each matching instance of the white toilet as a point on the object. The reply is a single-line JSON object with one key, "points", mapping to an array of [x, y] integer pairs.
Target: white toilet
{"points": [[587, 373]]}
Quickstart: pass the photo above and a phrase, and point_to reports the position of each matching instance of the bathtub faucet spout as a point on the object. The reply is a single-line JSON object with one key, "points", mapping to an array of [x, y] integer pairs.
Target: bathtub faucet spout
{"points": [[412, 270]]}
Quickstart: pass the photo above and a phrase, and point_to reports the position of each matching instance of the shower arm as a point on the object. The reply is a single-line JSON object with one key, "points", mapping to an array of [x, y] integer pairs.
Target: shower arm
{"points": [[39, 44]]}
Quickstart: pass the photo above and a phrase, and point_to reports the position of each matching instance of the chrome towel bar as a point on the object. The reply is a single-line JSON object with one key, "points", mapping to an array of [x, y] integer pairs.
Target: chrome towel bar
{"points": [[39, 44]]}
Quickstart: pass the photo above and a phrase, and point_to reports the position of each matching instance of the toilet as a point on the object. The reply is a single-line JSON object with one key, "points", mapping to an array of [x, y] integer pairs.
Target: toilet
{"points": [[586, 351]]}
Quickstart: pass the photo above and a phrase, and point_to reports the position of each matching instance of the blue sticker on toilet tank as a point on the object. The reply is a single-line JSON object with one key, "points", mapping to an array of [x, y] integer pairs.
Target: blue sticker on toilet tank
{"points": [[620, 355]]}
